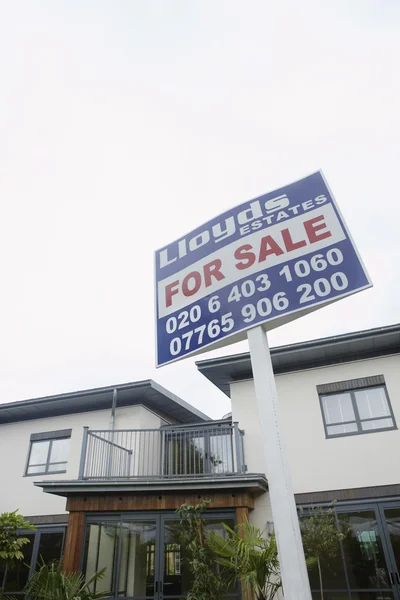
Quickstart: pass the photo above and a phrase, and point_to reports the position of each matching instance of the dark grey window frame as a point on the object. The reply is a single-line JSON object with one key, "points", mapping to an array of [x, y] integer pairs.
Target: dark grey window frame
{"points": [[35, 557], [159, 518], [377, 505], [47, 436], [350, 387]]}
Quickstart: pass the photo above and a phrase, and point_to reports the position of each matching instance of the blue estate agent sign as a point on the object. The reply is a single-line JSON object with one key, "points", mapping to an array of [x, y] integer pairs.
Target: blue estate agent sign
{"points": [[267, 261]]}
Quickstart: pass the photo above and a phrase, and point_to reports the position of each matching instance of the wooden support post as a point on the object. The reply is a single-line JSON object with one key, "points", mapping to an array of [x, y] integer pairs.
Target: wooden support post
{"points": [[242, 514], [73, 541]]}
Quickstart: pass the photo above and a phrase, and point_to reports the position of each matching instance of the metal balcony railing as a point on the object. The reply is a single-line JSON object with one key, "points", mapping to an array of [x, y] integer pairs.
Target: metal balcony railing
{"points": [[181, 451]]}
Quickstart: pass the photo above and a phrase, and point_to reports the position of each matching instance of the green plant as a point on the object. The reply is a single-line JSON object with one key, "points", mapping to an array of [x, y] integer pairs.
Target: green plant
{"points": [[11, 543], [50, 583], [321, 538], [249, 557], [208, 583]]}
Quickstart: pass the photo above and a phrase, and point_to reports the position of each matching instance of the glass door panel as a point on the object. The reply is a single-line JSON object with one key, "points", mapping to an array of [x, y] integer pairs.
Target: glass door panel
{"points": [[137, 564], [333, 576], [127, 549], [142, 555], [45, 545], [365, 556], [185, 453], [101, 549], [392, 517], [198, 451], [220, 450], [17, 577], [50, 547], [176, 577]]}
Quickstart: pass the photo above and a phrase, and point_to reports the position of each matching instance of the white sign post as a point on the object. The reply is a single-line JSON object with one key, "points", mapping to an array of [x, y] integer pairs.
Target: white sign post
{"points": [[259, 265], [284, 514]]}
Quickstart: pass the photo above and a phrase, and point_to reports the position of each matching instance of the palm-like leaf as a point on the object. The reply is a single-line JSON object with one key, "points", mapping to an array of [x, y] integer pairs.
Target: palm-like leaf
{"points": [[311, 562], [50, 583], [249, 557]]}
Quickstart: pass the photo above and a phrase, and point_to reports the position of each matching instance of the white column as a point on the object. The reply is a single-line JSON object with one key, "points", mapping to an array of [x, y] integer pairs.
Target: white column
{"points": [[290, 548]]}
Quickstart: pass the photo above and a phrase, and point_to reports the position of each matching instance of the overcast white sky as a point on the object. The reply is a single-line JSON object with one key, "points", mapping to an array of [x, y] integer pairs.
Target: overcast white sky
{"points": [[125, 124]]}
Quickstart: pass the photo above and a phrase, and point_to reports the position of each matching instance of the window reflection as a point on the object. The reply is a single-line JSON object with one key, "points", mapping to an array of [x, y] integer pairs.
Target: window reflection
{"points": [[44, 545], [363, 550], [177, 577], [135, 543], [17, 577], [393, 524], [359, 569], [197, 452]]}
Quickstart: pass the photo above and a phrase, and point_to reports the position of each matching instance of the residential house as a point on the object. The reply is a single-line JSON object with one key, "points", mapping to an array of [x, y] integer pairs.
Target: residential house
{"points": [[340, 409], [115, 463]]}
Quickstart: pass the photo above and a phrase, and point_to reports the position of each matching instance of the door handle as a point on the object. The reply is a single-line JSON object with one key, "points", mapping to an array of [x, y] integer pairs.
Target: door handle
{"points": [[158, 587], [397, 577], [391, 577]]}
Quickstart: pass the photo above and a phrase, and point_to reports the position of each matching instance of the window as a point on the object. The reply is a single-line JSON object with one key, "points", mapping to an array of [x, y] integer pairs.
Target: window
{"points": [[46, 544], [48, 452], [357, 406], [359, 569]]}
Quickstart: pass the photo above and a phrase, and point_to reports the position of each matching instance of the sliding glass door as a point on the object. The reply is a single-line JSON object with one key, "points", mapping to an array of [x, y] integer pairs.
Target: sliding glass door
{"points": [[203, 451], [390, 516], [367, 563], [366, 555], [175, 577], [125, 548], [142, 554]]}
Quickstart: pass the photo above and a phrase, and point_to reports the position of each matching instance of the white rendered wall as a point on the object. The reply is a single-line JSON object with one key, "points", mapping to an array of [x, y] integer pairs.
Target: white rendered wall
{"points": [[17, 490], [317, 463]]}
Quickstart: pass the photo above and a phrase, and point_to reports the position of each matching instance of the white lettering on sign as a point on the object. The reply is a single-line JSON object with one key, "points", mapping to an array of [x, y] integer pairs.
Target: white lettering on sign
{"points": [[249, 219], [260, 250]]}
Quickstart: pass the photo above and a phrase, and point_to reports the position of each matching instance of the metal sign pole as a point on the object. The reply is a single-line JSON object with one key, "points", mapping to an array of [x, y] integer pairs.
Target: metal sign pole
{"points": [[290, 548]]}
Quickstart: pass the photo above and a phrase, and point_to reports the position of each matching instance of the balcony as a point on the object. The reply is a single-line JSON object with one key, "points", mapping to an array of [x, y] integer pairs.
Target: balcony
{"points": [[172, 452]]}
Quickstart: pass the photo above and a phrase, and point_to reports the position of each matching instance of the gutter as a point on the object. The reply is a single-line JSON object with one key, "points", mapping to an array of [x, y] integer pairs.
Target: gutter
{"points": [[255, 482]]}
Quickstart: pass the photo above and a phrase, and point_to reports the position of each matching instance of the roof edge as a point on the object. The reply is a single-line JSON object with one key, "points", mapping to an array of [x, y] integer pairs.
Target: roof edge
{"points": [[311, 354], [62, 404], [144, 383], [330, 340]]}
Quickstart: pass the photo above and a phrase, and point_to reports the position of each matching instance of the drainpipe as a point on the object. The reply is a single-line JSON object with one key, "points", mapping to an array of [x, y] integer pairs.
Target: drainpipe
{"points": [[113, 407], [111, 434]]}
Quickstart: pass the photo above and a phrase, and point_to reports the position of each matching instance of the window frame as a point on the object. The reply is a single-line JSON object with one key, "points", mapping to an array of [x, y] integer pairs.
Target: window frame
{"points": [[351, 390], [35, 556], [49, 436], [160, 518]]}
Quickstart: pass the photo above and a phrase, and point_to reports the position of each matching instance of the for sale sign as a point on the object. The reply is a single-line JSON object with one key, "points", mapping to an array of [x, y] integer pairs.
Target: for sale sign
{"points": [[267, 261]]}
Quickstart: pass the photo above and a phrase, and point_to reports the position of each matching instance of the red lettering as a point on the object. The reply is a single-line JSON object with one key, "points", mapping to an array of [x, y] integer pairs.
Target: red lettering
{"points": [[268, 246], [248, 258], [213, 269], [195, 275], [311, 229], [170, 290], [289, 243]]}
